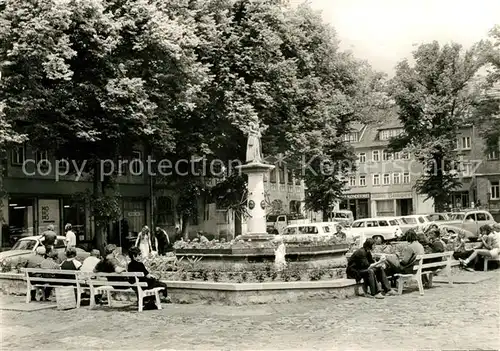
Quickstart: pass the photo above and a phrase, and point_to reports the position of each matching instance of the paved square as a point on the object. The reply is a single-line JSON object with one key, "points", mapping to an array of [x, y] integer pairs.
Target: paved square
{"points": [[460, 317]]}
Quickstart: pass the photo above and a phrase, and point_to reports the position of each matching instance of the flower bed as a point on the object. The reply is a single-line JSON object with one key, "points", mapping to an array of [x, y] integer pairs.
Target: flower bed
{"points": [[251, 273]]}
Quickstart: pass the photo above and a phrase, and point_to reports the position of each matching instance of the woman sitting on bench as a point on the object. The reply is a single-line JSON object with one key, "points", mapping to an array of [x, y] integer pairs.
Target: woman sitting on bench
{"points": [[487, 248]]}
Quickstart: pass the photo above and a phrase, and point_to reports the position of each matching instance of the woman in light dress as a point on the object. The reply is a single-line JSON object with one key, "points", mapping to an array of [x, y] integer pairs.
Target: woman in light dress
{"points": [[143, 242]]}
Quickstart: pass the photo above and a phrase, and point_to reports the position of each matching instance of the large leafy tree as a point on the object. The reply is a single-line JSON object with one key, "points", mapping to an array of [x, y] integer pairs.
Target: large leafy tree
{"points": [[90, 79], [486, 114], [434, 97]]}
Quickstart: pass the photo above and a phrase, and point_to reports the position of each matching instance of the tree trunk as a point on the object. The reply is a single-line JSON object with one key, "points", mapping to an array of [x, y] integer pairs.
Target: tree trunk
{"points": [[185, 227], [325, 216], [100, 230]]}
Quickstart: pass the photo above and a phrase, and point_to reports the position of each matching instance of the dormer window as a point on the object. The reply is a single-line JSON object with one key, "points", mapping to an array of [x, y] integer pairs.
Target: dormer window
{"points": [[387, 134], [352, 137]]}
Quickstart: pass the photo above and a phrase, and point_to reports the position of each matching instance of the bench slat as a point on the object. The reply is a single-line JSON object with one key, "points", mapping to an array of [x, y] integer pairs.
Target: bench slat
{"points": [[124, 274], [38, 280], [51, 271], [434, 264], [98, 283], [435, 255]]}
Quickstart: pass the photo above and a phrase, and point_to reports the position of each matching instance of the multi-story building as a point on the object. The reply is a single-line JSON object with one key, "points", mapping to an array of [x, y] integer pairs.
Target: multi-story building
{"points": [[383, 184], [480, 172], [39, 197]]}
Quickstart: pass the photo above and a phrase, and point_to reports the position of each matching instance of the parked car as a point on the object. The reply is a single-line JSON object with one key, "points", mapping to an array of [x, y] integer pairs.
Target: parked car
{"points": [[345, 217], [381, 229], [277, 223], [28, 245], [307, 231], [413, 221], [470, 221], [438, 217]]}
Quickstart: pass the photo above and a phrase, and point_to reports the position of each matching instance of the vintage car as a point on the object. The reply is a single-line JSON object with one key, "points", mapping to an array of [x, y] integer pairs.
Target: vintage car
{"points": [[470, 221], [26, 246], [379, 228]]}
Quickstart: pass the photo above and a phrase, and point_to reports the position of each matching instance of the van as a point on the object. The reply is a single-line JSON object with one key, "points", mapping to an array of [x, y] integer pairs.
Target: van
{"points": [[345, 217]]}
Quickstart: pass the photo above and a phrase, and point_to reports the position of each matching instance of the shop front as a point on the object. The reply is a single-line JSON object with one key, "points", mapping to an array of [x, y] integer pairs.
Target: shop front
{"points": [[358, 204], [392, 204]]}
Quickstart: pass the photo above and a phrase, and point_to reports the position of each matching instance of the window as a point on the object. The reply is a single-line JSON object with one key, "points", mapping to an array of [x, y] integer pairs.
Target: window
{"points": [[376, 156], [359, 224], [405, 156], [42, 156], [18, 155], [421, 219], [471, 217], [376, 179], [362, 157], [137, 167], [165, 211], [409, 220], [272, 175], [406, 178], [290, 231], [352, 181], [383, 224], [370, 224], [326, 229], [393, 222], [481, 216], [281, 173], [495, 190], [492, 155], [467, 170], [396, 178], [465, 142], [387, 179], [386, 156], [362, 180], [390, 133], [351, 137], [397, 155], [290, 177]]}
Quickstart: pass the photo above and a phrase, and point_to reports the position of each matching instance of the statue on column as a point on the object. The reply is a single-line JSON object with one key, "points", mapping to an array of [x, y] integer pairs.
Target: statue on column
{"points": [[254, 144]]}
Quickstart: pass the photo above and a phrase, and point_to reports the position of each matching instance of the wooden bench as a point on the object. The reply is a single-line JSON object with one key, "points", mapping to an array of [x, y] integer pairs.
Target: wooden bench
{"points": [[489, 259], [421, 268], [52, 278], [100, 283]]}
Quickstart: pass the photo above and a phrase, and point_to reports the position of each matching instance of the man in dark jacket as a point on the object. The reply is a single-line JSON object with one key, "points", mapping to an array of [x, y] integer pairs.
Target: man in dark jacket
{"points": [[361, 265]]}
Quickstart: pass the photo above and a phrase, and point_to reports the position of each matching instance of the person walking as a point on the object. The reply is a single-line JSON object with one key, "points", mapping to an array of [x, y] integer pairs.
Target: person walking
{"points": [[70, 236], [162, 240], [143, 242], [49, 238]]}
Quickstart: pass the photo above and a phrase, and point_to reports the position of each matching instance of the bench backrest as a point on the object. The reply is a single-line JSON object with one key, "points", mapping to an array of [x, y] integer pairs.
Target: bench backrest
{"points": [[421, 265], [125, 279], [35, 276]]}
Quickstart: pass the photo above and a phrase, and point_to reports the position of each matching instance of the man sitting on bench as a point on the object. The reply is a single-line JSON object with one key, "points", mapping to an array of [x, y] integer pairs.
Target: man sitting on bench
{"points": [[361, 265], [487, 248]]}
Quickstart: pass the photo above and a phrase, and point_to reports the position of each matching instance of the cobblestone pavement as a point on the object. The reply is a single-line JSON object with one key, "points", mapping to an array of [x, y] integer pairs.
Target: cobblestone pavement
{"points": [[458, 317]]}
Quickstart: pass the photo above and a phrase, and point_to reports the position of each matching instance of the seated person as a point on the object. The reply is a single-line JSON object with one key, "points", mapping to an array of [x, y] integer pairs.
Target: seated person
{"points": [[110, 264], [71, 263], [340, 233], [202, 238], [410, 253], [488, 247], [136, 265], [91, 262], [50, 262], [35, 259], [361, 265]]}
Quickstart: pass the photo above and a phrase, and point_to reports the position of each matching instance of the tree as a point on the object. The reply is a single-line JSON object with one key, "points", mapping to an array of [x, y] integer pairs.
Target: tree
{"points": [[486, 115], [91, 79], [434, 97]]}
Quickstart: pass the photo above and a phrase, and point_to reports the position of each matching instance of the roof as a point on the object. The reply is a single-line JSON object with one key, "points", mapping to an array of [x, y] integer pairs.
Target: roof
{"points": [[370, 136], [36, 237]]}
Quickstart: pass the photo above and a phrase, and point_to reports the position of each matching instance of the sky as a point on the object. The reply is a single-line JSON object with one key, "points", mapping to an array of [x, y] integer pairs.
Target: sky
{"points": [[385, 31]]}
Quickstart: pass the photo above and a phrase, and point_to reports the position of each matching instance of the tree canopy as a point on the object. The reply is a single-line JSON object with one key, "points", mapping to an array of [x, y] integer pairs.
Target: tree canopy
{"points": [[434, 98]]}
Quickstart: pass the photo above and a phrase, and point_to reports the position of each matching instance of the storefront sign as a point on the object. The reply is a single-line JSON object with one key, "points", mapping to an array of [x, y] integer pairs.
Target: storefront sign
{"points": [[386, 196], [357, 196], [48, 213], [134, 214]]}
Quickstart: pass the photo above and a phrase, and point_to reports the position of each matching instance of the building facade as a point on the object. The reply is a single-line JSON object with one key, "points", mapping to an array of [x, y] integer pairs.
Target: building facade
{"points": [[480, 173], [383, 183], [38, 195]]}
